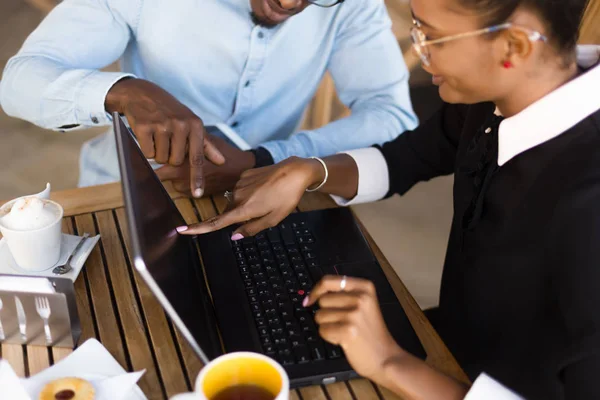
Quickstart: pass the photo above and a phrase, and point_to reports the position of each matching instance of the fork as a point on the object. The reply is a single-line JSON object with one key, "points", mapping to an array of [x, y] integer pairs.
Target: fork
{"points": [[2, 337], [42, 306]]}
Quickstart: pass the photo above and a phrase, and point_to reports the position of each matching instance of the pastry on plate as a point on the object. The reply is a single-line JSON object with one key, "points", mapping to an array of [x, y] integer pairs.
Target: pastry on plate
{"points": [[68, 389]]}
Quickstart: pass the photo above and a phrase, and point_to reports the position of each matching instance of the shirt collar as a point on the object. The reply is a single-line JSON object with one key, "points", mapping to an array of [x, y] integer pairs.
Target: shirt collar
{"points": [[555, 113]]}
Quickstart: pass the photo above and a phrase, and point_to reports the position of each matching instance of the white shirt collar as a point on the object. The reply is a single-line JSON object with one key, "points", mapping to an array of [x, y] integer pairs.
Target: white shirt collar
{"points": [[555, 113]]}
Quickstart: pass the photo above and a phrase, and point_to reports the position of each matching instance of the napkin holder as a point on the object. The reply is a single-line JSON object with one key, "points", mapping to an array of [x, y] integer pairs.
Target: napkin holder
{"points": [[64, 324]]}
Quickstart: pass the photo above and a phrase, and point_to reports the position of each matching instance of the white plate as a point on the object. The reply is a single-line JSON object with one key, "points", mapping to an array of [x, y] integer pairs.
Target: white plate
{"points": [[68, 244]]}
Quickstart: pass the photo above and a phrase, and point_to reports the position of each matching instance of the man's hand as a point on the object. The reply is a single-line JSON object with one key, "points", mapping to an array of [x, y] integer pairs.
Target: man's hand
{"points": [[167, 130], [217, 178]]}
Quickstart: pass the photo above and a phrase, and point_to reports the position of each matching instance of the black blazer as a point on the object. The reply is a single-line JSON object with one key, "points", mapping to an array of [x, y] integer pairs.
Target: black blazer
{"points": [[520, 297]]}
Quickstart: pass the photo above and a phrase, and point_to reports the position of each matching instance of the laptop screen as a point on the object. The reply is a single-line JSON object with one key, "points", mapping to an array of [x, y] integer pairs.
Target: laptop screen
{"points": [[167, 261]]}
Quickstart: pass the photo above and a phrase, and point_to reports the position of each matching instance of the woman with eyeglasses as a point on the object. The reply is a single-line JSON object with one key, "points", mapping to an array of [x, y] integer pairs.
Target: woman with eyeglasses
{"points": [[520, 131]]}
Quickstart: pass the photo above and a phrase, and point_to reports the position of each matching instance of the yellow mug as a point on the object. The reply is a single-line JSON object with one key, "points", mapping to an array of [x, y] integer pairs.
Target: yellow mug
{"points": [[242, 375]]}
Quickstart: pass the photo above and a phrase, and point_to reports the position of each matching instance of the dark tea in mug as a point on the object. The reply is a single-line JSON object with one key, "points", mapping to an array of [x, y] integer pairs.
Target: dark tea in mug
{"points": [[244, 392]]}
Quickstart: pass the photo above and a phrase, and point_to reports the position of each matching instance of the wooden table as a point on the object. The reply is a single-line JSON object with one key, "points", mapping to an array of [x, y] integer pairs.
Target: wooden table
{"points": [[117, 308]]}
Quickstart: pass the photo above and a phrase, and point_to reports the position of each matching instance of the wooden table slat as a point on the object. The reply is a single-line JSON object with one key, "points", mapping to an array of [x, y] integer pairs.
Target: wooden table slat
{"points": [[101, 310], [294, 395], [37, 359], [138, 346], [13, 353], [221, 203], [59, 353], [313, 393], [363, 389], [170, 367], [338, 391]]}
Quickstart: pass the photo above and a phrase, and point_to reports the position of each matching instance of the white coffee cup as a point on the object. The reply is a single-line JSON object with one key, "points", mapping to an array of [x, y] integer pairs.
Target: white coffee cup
{"points": [[241, 368], [36, 249]]}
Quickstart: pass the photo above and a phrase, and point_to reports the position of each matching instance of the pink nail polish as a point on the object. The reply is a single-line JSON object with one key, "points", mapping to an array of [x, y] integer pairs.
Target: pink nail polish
{"points": [[237, 236], [305, 301], [181, 229]]}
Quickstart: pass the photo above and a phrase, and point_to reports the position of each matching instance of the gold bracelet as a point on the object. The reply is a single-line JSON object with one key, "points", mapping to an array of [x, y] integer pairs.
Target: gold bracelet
{"points": [[326, 175]]}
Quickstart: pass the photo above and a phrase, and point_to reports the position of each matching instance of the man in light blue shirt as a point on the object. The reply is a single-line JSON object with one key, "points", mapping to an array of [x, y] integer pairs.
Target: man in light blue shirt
{"points": [[253, 65]]}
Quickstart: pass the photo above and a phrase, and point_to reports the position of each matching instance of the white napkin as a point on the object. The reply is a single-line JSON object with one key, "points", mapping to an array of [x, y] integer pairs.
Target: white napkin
{"points": [[10, 383], [91, 361]]}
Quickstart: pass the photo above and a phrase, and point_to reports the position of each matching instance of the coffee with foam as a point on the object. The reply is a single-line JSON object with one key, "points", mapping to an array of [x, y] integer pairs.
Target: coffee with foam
{"points": [[30, 213]]}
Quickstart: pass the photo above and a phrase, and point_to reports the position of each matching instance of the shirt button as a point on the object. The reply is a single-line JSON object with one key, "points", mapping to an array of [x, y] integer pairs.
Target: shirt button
{"points": [[261, 35], [95, 120], [247, 84], [234, 124]]}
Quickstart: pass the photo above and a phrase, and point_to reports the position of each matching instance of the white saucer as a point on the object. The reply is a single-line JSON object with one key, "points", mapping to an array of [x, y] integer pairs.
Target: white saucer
{"points": [[67, 245]]}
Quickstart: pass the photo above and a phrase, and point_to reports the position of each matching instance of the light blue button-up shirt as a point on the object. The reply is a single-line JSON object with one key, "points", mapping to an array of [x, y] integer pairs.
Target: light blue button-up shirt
{"points": [[213, 59]]}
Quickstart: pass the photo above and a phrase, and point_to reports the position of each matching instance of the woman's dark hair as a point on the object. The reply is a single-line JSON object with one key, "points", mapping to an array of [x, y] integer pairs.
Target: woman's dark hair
{"points": [[562, 17]]}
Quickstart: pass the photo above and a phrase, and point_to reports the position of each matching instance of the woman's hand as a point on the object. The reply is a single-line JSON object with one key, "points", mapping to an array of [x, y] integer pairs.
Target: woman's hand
{"points": [[352, 319], [263, 197]]}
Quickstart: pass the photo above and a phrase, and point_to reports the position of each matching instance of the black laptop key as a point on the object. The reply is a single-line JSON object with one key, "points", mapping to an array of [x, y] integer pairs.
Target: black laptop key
{"points": [[303, 316], [239, 255], [292, 250], [266, 340], [313, 340], [317, 352], [286, 234], [295, 257], [268, 303], [286, 359], [273, 236], [285, 314], [255, 306], [296, 341], [302, 354], [248, 283], [246, 276], [253, 298], [260, 236], [270, 349], [259, 276], [301, 232], [313, 263], [333, 352], [261, 322], [274, 321], [277, 331], [306, 239], [242, 263], [281, 297], [251, 291], [258, 314], [263, 331]]}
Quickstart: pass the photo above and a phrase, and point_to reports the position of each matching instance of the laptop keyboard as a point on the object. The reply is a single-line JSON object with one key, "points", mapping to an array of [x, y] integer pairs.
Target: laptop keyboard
{"points": [[279, 267]]}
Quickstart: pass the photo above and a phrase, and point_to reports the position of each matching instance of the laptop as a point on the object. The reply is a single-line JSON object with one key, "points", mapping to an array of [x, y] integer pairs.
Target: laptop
{"points": [[246, 295]]}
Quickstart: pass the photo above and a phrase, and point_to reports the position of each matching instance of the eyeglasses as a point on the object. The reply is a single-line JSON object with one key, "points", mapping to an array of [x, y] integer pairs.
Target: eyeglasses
{"points": [[420, 42], [325, 3]]}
